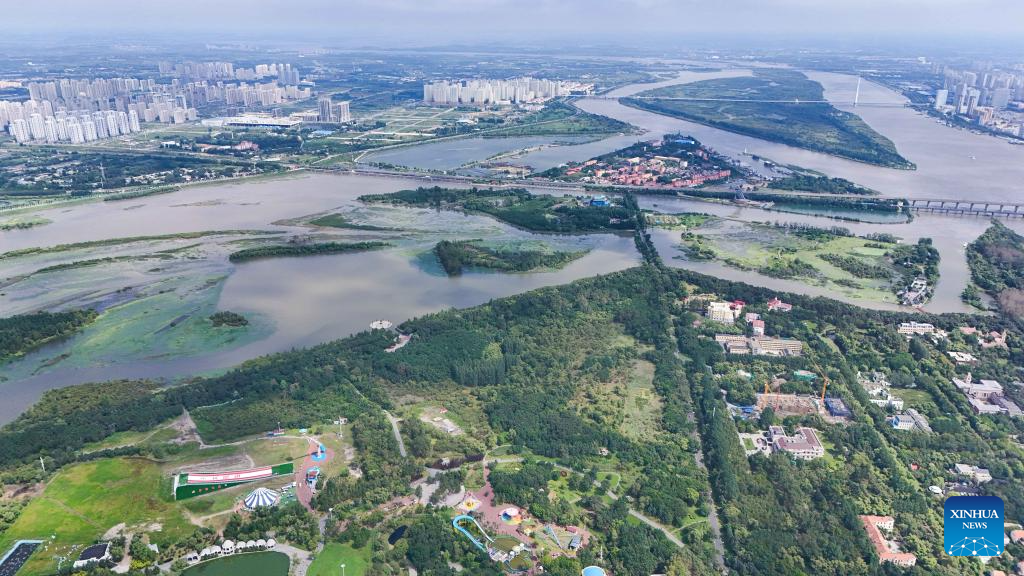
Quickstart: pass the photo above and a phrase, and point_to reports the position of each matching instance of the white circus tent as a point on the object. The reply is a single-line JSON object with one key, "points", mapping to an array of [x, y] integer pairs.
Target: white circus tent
{"points": [[261, 497]]}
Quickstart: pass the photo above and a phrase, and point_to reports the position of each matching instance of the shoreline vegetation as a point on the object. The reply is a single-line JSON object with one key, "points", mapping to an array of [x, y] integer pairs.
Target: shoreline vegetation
{"points": [[781, 106], [309, 249], [129, 239], [23, 223], [517, 207], [458, 256]]}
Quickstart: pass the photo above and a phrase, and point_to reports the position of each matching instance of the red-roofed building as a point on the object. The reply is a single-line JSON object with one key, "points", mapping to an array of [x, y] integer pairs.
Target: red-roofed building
{"points": [[873, 525], [1016, 536], [758, 327], [776, 304]]}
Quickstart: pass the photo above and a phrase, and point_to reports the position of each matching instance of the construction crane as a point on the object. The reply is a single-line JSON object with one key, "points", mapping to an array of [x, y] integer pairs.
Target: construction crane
{"points": [[824, 378]]}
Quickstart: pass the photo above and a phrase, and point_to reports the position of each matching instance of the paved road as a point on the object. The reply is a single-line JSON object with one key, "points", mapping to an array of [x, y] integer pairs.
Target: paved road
{"points": [[398, 434]]}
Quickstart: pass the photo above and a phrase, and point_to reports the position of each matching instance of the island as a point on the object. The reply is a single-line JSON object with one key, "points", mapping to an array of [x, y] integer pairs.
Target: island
{"points": [[303, 249], [776, 105], [520, 208], [456, 256]]}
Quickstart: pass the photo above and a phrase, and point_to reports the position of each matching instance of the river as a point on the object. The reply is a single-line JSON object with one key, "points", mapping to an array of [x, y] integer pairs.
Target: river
{"points": [[307, 301], [951, 163], [312, 300]]}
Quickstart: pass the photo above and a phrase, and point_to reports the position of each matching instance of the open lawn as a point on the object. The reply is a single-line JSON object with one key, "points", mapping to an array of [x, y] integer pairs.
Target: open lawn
{"points": [[642, 403], [249, 564], [83, 501], [330, 559], [916, 399]]}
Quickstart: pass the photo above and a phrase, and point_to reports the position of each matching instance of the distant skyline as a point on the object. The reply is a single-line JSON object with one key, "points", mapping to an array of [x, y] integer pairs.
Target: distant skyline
{"points": [[432, 22]]}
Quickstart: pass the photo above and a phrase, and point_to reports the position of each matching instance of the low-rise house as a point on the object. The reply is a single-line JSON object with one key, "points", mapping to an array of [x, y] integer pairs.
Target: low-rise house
{"points": [[982, 390], [886, 400], [976, 474], [757, 327], [887, 551], [778, 305], [803, 444], [986, 396], [765, 346], [910, 420], [917, 329], [759, 345], [962, 357], [724, 312], [733, 343]]}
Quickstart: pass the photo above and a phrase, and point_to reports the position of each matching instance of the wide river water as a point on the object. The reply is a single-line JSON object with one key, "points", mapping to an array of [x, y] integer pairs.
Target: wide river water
{"points": [[312, 300], [307, 300]]}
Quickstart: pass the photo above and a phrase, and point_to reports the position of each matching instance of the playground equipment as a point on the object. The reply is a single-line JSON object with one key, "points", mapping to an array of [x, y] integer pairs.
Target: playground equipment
{"points": [[488, 545], [311, 476], [320, 454], [457, 523], [512, 516], [551, 534]]}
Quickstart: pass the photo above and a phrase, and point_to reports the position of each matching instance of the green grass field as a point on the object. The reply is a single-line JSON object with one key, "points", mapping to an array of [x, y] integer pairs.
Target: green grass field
{"points": [[328, 562], [83, 501], [250, 564], [643, 405]]}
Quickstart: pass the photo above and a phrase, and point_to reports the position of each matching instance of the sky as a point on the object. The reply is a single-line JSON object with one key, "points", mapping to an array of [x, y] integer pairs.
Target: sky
{"points": [[430, 22]]}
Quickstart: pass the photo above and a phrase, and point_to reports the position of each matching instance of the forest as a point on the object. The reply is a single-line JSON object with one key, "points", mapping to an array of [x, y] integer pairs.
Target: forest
{"points": [[996, 260], [822, 184], [456, 256], [518, 207], [23, 333]]}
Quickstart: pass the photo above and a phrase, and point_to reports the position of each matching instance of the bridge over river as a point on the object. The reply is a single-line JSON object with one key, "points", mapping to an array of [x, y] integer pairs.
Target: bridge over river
{"points": [[968, 207]]}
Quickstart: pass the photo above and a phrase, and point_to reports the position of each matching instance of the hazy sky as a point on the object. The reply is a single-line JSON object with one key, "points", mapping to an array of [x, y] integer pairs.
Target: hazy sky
{"points": [[418, 22]]}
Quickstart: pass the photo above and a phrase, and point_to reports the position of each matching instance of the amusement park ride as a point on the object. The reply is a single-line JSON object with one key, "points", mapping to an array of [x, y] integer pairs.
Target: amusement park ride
{"points": [[487, 544]]}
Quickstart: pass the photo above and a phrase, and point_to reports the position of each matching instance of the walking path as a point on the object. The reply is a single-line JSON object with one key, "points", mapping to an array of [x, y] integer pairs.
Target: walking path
{"points": [[398, 435]]}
